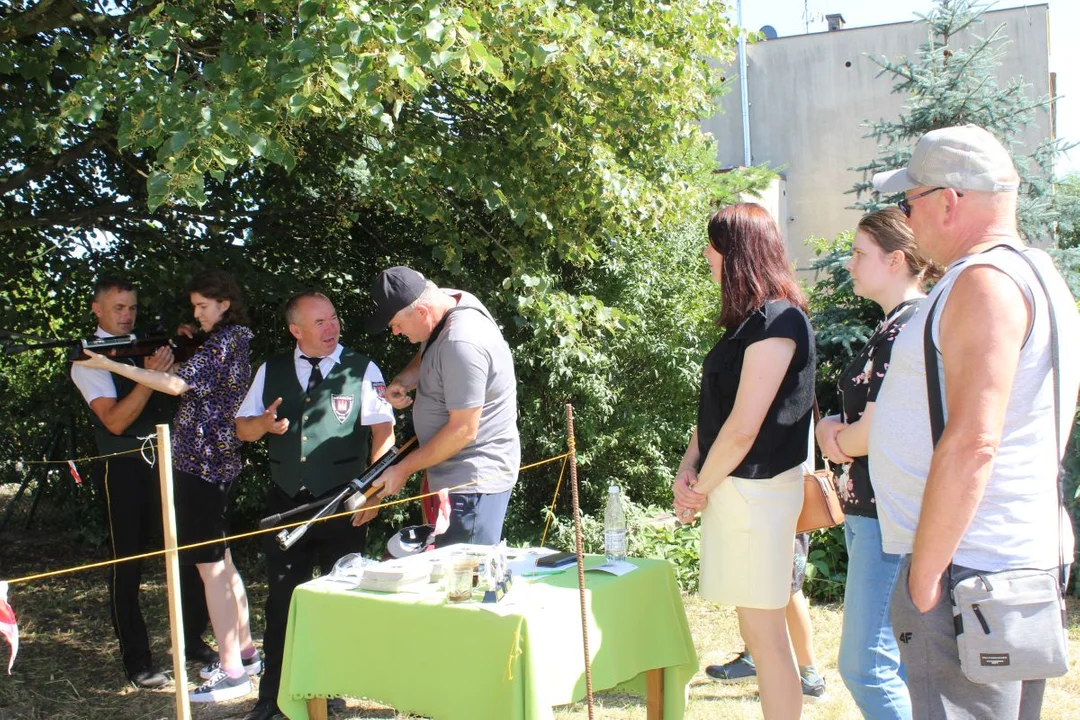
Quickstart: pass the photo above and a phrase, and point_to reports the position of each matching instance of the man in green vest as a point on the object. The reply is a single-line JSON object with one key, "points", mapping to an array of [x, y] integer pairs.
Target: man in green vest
{"points": [[122, 412], [322, 408]]}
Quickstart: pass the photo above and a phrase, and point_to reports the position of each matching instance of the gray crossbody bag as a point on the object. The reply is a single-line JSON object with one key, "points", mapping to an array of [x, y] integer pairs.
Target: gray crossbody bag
{"points": [[1010, 625]]}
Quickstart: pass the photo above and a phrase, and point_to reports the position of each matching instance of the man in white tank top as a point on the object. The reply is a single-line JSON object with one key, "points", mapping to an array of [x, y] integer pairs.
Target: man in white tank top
{"points": [[985, 498]]}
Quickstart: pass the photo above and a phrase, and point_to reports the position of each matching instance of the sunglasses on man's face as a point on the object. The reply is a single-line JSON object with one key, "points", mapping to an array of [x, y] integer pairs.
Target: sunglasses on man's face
{"points": [[905, 204]]}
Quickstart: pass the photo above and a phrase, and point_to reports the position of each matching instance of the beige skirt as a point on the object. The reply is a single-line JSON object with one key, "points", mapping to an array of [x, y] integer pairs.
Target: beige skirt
{"points": [[746, 540]]}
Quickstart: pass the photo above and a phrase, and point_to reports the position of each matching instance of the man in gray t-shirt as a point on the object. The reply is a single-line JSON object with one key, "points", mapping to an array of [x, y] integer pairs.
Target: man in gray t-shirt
{"points": [[465, 413]]}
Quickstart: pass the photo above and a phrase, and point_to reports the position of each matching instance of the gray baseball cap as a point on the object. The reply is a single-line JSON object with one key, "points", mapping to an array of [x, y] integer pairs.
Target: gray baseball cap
{"points": [[965, 157]]}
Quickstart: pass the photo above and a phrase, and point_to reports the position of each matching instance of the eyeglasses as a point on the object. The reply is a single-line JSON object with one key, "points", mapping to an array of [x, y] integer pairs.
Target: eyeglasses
{"points": [[905, 204]]}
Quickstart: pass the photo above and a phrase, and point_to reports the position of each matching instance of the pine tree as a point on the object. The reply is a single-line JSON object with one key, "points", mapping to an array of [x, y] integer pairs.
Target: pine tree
{"points": [[952, 81], [1067, 199]]}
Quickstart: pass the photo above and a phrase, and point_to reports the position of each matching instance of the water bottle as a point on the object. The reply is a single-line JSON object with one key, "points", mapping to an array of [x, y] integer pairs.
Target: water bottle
{"points": [[615, 526]]}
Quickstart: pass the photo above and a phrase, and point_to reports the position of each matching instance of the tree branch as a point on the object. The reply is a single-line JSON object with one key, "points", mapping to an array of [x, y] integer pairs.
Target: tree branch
{"points": [[136, 211], [36, 172], [73, 218], [49, 15]]}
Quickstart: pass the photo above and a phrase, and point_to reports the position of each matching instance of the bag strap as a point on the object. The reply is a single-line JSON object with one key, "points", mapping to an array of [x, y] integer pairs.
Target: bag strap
{"points": [[936, 397], [811, 442]]}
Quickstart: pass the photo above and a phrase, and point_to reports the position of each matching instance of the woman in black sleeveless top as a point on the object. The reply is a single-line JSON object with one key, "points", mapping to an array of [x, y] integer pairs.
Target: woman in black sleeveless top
{"points": [[743, 468]]}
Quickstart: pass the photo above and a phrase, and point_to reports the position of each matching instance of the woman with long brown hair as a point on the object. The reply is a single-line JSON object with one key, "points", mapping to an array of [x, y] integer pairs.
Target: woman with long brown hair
{"points": [[885, 267], [206, 462], [743, 468]]}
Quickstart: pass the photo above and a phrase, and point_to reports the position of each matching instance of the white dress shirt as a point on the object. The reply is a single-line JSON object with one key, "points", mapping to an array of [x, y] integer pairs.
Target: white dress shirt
{"points": [[374, 408]]}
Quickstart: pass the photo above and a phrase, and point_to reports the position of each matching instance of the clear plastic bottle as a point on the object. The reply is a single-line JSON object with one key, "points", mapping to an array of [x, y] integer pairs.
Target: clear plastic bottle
{"points": [[615, 526]]}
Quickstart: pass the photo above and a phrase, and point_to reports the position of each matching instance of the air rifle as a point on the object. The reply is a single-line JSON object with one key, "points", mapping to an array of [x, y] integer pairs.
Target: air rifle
{"points": [[131, 345], [355, 493]]}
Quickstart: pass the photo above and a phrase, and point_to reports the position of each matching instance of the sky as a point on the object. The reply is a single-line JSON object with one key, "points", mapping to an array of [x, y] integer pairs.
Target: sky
{"points": [[789, 17]]}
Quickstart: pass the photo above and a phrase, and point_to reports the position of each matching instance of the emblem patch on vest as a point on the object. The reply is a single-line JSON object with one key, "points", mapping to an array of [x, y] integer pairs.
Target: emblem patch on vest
{"points": [[342, 406]]}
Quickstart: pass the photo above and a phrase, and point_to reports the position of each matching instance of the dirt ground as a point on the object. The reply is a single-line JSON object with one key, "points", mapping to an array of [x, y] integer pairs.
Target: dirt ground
{"points": [[68, 666]]}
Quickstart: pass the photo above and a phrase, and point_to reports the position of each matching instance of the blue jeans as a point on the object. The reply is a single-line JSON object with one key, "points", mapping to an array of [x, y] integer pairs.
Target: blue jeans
{"points": [[869, 660], [475, 518]]}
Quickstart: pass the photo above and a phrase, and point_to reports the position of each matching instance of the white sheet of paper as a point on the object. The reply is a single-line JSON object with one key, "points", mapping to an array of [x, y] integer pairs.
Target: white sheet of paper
{"points": [[614, 567]]}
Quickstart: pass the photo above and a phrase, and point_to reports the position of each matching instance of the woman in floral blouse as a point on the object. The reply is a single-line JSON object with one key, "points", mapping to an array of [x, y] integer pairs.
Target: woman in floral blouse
{"points": [[885, 267], [206, 461]]}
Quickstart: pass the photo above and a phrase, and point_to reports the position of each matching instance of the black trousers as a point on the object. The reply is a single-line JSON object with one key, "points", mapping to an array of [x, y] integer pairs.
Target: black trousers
{"points": [[131, 494], [322, 546]]}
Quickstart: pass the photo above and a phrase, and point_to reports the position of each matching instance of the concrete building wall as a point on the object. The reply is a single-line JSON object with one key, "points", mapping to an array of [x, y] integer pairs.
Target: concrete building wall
{"points": [[774, 199], [811, 95]]}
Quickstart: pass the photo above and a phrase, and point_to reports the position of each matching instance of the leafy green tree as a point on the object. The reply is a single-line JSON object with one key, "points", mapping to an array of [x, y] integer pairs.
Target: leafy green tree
{"points": [[560, 116], [842, 321], [1067, 253], [627, 352], [546, 156]]}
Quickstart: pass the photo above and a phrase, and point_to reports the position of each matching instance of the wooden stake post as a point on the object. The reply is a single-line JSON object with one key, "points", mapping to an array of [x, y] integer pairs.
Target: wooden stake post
{"points": [[172, 571]]}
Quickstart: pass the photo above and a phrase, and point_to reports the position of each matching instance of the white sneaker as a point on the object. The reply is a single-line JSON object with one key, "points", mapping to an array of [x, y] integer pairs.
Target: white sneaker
{"points": [[252, 666], [221, 687]]}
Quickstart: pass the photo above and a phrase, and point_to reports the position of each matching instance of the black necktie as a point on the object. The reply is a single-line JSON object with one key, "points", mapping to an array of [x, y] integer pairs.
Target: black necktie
{"points": [[316, 374]]}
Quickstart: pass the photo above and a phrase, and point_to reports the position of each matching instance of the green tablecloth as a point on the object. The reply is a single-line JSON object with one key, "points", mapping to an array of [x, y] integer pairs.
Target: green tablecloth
{"points": [[511, 660]]}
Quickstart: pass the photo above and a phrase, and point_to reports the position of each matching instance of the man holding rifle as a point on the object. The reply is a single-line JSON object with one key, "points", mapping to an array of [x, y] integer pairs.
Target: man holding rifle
{"points": [[465, 413], [323, 411], [121, 412]]}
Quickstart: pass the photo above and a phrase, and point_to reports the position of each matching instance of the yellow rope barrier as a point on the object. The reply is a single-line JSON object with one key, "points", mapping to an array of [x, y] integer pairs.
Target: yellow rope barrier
{"points": [[139, 450], [254, 533], [544, 462], [82, 459], [551, 510], [148, 450], [241, 536]]}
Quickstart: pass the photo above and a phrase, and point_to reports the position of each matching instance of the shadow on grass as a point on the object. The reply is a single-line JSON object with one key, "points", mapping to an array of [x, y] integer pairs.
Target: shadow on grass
{"points": [[69, 668]]}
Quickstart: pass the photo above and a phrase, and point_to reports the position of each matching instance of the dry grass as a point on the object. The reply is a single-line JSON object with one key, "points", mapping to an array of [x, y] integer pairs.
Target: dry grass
{"points": [[68, 667], [716, 637]]}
